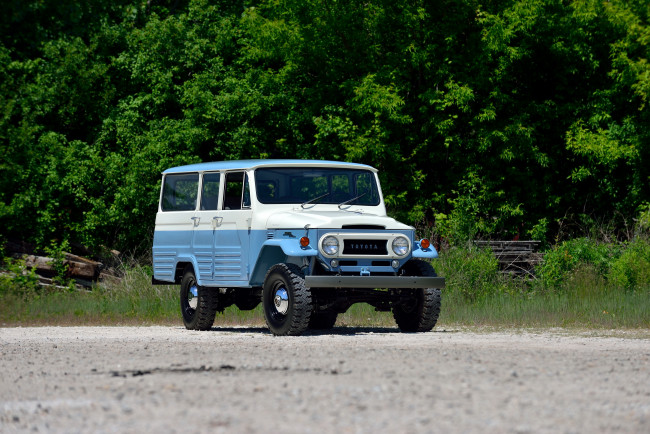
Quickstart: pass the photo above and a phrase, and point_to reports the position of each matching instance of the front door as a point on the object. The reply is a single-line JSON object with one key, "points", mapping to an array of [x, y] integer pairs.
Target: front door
{"points": [[206, 222], [233, 231]]}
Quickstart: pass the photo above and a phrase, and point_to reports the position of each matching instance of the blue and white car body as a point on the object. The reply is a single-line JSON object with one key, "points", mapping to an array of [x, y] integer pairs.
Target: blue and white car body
{"points": [[230, 222]]}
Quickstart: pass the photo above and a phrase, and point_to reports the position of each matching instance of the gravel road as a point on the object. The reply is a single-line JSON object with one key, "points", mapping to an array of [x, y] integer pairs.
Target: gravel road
{"points": [[168, 379]]}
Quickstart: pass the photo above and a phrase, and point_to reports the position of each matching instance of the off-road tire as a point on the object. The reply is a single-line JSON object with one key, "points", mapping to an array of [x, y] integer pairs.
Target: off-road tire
{"points": [[322, 320], [293, 318], [202, 317], [422, 314]]}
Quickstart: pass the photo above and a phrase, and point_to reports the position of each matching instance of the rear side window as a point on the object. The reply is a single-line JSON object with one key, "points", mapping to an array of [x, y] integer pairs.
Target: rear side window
{"points": [[210, 191], [180, 192]]}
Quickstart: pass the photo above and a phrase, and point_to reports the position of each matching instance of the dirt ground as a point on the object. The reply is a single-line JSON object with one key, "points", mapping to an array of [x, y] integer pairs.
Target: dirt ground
{"points": [[168, 379]]}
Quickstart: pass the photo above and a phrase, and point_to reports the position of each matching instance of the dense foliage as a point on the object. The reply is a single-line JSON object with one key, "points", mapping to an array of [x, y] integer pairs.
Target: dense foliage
{"points": [[485, 118]]}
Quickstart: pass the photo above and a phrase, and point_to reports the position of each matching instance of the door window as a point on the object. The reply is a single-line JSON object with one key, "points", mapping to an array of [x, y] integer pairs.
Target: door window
{"points": [[237, 192], [180, 192], [210, 191]]}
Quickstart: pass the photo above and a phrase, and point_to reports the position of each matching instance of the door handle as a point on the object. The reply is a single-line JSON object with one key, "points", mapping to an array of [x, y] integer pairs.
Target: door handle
{"points": [[216, 222]]}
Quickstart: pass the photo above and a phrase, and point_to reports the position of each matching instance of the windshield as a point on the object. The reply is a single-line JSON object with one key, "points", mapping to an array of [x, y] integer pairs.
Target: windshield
{"points": [[313, 186]]}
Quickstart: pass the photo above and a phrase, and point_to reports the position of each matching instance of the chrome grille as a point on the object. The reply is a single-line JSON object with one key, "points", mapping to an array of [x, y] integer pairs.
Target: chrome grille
{"points": [[365, 247]]}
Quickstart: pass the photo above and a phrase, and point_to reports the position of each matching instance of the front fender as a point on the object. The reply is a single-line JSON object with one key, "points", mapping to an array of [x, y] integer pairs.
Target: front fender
{"points": [[290, 247], [428, 253], [274, 252]]}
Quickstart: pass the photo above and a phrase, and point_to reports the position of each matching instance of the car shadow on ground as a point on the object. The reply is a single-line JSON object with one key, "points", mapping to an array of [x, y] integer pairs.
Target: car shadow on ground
{"points": [[336, 331]]}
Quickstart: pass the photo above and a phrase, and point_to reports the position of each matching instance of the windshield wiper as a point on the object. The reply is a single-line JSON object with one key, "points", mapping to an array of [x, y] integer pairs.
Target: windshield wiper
{"points": [[351, 200], [302, 205]]}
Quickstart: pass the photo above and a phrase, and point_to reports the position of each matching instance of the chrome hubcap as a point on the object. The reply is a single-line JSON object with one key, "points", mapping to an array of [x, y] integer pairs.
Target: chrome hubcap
{"points": [[193, 297], [281, 301]]}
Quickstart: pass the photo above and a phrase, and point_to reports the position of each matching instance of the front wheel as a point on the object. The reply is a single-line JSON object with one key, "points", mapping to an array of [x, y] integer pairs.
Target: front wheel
{"points": [[199, 305], [419, 313], [286, 300]]}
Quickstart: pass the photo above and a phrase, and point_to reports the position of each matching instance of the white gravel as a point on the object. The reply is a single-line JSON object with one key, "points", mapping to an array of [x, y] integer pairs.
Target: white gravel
{"points": [[168, 379]]}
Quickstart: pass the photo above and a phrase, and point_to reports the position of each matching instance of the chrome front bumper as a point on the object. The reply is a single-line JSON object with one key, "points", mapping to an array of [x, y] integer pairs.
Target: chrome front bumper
{"points": [[374, 282]]}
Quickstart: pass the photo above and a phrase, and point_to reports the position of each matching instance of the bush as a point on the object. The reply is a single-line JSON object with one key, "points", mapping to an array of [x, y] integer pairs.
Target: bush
{"points": [[564, 259], [17, 279], [57, 252], [472, 272], [631, 271]]}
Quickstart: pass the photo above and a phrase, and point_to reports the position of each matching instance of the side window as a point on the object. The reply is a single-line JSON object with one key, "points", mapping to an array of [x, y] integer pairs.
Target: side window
{"points": [[210, 191], [236, 191], [180, 192]]}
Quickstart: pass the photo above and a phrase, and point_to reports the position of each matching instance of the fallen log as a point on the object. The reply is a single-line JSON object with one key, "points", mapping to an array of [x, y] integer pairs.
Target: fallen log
{"points": [[85, 272], [76, 266]]}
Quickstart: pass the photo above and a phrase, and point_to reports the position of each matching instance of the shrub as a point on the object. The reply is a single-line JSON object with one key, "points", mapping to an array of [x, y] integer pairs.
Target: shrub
{"points": [[631, 271], [17, 279], [57, 252], [562, 260], [472, 272]]}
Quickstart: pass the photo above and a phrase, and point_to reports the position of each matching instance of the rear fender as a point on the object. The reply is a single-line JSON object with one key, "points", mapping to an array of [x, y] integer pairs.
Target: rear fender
{"points": [[181, 263]]}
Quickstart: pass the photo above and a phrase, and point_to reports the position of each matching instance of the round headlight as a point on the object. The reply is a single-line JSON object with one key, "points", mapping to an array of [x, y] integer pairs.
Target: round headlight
{"points": [[330, 245], [400, 246]]}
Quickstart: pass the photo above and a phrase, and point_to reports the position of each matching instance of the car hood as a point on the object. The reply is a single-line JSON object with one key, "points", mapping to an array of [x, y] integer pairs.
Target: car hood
{"points": [[330, 220]]}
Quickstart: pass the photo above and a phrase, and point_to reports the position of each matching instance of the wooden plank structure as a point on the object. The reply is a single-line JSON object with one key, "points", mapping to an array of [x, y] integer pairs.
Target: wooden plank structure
{"points": [[517, 258], [82, 271]]}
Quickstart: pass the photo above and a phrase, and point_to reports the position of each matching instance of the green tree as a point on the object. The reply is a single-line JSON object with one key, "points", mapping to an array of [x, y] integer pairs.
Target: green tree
{"points": [[489, 119]]}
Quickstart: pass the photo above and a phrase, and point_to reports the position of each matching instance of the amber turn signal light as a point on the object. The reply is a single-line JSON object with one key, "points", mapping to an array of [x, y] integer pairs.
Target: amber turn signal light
{"points": [[304, 241], [425, 244]]}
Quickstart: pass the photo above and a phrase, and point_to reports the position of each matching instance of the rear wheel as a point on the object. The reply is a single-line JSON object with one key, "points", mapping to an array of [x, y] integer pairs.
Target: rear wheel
{"points": [[419, 313], [286, 300], [199, 305]]}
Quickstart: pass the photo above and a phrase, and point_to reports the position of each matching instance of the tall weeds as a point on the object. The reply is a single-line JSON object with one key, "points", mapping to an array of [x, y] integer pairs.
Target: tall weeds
{"points": [[582, 282]]}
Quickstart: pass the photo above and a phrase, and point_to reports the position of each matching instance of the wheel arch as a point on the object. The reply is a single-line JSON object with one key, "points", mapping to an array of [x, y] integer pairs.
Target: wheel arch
{"points": [[269, 255], [181, 266]]}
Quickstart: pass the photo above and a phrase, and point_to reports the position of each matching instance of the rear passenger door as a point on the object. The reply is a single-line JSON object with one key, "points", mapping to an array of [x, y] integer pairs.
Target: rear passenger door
{"points": [[174, 223]]}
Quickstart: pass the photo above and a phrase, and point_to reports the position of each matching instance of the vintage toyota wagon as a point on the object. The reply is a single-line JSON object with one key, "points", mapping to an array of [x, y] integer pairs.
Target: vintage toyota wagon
{"points": [[307, 239]]}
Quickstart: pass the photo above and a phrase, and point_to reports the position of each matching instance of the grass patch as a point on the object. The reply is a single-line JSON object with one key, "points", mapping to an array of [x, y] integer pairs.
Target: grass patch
{"points": [[575, 289], [159, 306], [132, 300], [599, 311], [476, 295]]}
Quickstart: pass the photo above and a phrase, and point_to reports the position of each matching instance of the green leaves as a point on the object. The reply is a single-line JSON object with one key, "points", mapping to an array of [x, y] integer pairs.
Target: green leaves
{"points": [[501, 118]]}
